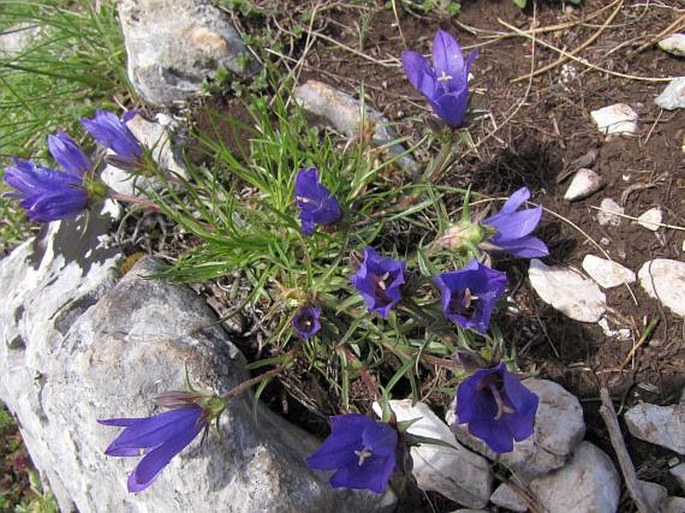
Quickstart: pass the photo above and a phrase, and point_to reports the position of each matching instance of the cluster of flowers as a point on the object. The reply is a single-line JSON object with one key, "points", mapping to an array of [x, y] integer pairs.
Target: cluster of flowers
{"points": [[363, 452], [494, 404], [47, 194]]}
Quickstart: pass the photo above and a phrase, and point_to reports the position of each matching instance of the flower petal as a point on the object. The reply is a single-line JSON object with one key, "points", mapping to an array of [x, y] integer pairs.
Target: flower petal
{"points": [[419, 73], [68, 154], [154, 461], [447, 56]]}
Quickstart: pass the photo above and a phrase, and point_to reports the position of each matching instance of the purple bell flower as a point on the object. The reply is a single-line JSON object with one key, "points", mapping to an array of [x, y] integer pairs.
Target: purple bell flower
{"points": [[306, 322], [46, 195], [360, 450], [316, 203], [513, 228], [469, 295], [158, 439], [68, 154], [379, 280], [446, 83], [107, 129], [497, 408]]}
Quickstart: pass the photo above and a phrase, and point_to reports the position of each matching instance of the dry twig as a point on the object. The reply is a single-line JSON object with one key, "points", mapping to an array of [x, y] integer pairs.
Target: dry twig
{"points": [[608, 414]]}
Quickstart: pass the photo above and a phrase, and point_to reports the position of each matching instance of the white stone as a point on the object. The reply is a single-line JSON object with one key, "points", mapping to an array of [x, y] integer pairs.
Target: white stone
{"points": [[585, 182], [505, 497], [654, 494], [664, 280], [679, 473], [174, 45], [610, 213], [18, 38], [559, 427], [673, 97], [620, 334], [457, 473], [615, 120], [660, 425], [344, 113], [651, 219], [157, 138], [674, 505], [589, 483], [606, 273], [674, 44], [568, 291]]}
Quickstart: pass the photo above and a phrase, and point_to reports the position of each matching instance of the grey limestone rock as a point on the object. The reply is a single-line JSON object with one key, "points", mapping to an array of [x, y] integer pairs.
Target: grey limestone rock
{"points": [[505, 497], [673, 97], [559, 428], [174, 45], [343, 113], [660, 425], [589, 483]]}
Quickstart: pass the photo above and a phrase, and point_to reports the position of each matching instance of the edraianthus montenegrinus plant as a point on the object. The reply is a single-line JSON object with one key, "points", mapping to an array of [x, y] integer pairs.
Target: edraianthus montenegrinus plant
{"points": [[362, 452], [497, 408], [316, 203], [470, 294], [379, 280], [159, 438], [513, 228], [48, 195], [306, 321], [112, 132], [445, 84]]}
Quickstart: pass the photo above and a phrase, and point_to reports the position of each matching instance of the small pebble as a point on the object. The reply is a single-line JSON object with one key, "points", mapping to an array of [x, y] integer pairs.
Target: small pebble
{"points": [[673, 97], [608, 214], [651, 219], [674, 44], [616, 119], [584, 183], [568, 291], [664, 279], [606, 273]]}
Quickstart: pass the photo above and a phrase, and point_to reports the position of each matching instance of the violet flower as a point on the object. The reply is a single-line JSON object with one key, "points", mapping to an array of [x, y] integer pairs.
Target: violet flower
{"points": [[316, 203], [513, 228], [469, 295], [446, 83], [306, 322], [379, 280], [46, 195], [158, 439], [360, 450], [107, 129], [497, 408], [68, 154]]}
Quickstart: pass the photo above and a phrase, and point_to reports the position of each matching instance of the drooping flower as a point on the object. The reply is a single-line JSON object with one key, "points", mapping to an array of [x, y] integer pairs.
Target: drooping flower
{"points": [[316, 203], [306, 321], [513, 228], [158, 439], [68, 154], [379, 280], [107, 129], [362, 451], [497, 408], [446, 83], [46, 195], [470, 294]]}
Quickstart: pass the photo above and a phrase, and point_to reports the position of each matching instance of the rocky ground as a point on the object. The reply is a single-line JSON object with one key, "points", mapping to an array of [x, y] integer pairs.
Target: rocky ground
{"points": [[603, 312]]}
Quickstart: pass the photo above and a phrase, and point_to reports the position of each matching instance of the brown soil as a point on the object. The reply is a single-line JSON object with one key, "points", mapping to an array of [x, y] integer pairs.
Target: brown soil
{"points": [[532, 131]]}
